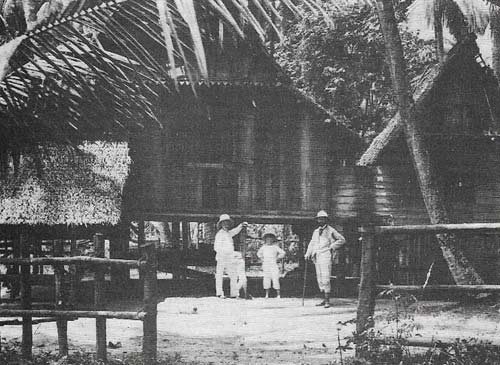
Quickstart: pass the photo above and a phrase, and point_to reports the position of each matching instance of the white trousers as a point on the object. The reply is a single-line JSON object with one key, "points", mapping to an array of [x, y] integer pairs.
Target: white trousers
{"points": [[271, 276], [225, 263], [323, 272]]}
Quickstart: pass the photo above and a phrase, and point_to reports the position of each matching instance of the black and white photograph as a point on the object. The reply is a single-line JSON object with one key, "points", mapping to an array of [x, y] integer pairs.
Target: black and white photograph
{"points": [[255, 182]]}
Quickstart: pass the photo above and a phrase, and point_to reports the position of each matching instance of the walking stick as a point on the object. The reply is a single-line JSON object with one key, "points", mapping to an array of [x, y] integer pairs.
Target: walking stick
{"points": [[244, 253], [305, 281]]}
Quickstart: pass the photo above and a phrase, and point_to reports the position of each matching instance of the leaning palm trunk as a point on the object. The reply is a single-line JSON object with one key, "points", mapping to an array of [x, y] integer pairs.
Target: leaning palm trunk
{"points": [[495, 35], [460, 267], [438, 30]]}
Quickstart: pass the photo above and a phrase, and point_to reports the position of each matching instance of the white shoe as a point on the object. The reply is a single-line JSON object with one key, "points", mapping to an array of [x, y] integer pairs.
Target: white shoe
{"points": [[278, 296], [221, 296]]}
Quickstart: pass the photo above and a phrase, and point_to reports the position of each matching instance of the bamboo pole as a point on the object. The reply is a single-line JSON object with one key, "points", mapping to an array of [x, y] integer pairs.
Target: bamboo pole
{"points": [[17, 322], [76, 260], [461, 288], [439, 228], [72, 313], [62, 324], [99, 300], [149, 342], [271, 217], [27, 336], [366, 299]]}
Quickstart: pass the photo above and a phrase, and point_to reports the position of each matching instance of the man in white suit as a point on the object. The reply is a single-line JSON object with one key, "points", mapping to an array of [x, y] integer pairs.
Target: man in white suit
{"points": [[224, 248], [325, 243]]}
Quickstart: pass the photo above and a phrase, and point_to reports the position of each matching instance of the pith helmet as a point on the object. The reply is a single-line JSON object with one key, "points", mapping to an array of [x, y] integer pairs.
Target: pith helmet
{"points": [[322, 214], [224, 217], [269, 232]]}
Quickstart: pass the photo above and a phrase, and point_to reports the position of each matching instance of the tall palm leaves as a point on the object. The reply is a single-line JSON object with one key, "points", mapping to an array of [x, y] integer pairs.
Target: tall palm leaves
{"points": [[458, 17], [96, 66]]}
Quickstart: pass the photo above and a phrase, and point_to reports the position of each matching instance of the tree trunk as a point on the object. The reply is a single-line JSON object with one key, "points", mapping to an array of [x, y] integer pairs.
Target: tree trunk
{"points": [[30, 8], [438, 29], [460, 267], [495, 41]]}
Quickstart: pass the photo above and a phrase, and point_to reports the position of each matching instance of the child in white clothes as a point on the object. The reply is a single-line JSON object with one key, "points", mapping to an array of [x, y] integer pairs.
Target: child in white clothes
{"points": [[270, 253]]}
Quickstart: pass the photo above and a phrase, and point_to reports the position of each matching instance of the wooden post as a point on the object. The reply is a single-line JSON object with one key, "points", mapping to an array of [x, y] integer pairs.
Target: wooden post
{"points": [[366, 299], [74, 273], [149, 340], [99, 299], [15, 286], [62, 324], [243, 247], [283, 168], [27, 339], [176, 234], [119, 241], [185, 235], [246, 178], [283, 236], [306, 162], [141, 241]]}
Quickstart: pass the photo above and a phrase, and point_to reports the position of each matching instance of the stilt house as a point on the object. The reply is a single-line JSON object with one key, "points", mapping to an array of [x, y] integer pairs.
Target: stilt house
{"points": [[458, 106]]}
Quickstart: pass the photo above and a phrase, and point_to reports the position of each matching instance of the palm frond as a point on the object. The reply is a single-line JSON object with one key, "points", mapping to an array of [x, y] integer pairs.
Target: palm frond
{"points": [[95, 66], [472, 14]]}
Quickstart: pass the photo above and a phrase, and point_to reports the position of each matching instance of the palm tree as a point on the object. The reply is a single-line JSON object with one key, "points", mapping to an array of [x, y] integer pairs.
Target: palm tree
{"points": [[460, 268], [459, 17], [95, 68]]}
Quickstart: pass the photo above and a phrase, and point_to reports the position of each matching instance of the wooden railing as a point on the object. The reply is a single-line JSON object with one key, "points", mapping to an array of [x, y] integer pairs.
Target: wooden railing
{"points": [[368, 286], [147, 315]]}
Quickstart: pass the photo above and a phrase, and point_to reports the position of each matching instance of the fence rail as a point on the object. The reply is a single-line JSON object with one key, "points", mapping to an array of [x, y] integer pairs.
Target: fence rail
{"points": [[148, 315], [74, 260], [56, 313], [435, 228], [368, 287], [461, 288]]}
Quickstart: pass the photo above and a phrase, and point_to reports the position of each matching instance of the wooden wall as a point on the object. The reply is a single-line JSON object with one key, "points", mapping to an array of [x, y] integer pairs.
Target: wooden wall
{"points": [[246, 150]]}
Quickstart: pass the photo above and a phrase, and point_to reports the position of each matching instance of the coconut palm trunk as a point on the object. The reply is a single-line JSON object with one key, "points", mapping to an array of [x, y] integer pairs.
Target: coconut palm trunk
{"points": [[460, 267], [495, 35], [438, 29]]}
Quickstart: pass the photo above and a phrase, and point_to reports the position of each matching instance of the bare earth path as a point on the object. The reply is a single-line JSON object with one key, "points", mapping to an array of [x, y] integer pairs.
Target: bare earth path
{"points": [[259, 331]]}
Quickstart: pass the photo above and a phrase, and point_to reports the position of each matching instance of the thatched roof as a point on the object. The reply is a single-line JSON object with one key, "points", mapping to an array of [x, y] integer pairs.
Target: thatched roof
{"points": [[56, 185], [423, 86]]}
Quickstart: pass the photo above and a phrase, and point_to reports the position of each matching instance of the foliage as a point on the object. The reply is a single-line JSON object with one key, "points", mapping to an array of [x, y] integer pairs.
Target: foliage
{"points": [[11, 354], [342, 65], [285, 239], [374, 346]]}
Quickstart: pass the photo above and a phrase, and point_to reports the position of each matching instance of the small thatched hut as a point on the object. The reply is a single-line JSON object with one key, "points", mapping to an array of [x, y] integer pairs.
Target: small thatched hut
{"points": [[57, 186], [52, 193]]}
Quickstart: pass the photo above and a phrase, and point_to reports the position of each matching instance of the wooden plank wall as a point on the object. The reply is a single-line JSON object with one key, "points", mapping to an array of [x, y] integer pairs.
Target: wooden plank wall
{"points": [[244, 153]]}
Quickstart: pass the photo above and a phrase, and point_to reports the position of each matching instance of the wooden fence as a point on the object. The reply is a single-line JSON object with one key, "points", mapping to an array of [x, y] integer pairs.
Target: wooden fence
{"points": [[370, 237], [148, 315]]}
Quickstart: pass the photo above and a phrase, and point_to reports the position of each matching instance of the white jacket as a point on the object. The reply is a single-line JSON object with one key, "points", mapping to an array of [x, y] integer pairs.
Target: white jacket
{"points": [[323, 244], [224, 244]]}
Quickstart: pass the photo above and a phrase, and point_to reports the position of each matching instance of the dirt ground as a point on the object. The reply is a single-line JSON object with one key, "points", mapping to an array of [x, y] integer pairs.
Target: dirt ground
{"points": [[259, 331]]}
